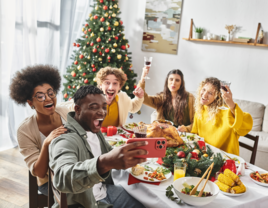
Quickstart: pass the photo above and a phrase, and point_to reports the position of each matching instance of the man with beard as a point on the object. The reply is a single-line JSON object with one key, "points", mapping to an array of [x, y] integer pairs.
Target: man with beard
{"points": [[82, 160], [110, 81]]}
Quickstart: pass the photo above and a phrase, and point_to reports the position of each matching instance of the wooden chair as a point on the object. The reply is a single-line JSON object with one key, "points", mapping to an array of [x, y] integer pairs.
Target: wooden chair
{"points": [[36, 200], [253, 149]]}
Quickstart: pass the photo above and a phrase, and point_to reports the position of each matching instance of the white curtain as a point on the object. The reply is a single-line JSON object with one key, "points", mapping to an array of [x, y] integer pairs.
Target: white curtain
{"points": [[34, 32]]}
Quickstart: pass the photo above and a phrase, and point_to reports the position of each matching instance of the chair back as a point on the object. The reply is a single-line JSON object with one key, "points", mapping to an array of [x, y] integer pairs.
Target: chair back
{"points": [[253, 149], [35, 199]]}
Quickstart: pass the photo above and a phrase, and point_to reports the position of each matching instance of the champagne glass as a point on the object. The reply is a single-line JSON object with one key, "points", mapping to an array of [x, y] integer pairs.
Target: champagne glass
{"points": [[147, 62]]}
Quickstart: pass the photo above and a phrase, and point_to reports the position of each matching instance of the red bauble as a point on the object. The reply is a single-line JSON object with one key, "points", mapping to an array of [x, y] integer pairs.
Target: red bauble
{"points": [[75, 62], [70, 98], [86, 36], [87, 43], [128, 45], [98, 46], [69, 87], [74, 74], [85, 32], [94, 69], [84, 74], [86, 25], [125, 54], [100, 53], [89, 30], [74, 44], [109, 57], [115, 37], [96, 17], [81, 56], [102, 47], [107, 50], [109, 61], [181, 154], [105, 7], [94, 50], [78, 45], [101, 1], [109, 39], [121, 22], [65, 95], [92, 65], [109, 17], [135, 86], [98, 39], [74, 87], [86, 81], [102, 19], [91, 44], [109, 28], [123, 47]]}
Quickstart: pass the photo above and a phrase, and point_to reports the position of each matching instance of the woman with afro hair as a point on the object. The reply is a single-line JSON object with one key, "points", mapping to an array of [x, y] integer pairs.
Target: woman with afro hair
{"points": [[38, 86]]}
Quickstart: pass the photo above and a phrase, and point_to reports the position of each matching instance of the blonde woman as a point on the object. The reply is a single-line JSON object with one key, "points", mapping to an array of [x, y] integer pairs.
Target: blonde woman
{"points": [[218, 119]]}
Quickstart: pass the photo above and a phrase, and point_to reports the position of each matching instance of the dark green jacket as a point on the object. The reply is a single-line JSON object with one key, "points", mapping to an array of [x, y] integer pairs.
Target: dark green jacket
{"points": [[75, 167]]}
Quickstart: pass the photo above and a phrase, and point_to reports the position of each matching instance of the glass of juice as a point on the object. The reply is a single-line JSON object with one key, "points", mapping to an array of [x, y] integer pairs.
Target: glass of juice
{"points": [[179, 170], [148, 62], [224, 83]]}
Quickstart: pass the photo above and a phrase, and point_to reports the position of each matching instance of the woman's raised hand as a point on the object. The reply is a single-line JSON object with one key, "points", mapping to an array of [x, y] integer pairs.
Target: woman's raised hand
{"points": [[182, 128], [228, 97], [55, 133]]}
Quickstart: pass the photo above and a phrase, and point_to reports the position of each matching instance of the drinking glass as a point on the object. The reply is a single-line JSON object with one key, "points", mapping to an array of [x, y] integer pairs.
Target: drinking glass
{"points": [[147, 62], [224, 83], [179, 170], [140, 131]]}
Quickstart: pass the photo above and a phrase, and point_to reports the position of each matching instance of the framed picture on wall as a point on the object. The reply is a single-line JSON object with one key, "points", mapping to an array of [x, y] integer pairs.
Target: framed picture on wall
{"points": [[161, 26]]}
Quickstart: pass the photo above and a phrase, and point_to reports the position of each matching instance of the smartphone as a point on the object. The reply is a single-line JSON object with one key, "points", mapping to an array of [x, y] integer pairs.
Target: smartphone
{"points": [[156, 146]]}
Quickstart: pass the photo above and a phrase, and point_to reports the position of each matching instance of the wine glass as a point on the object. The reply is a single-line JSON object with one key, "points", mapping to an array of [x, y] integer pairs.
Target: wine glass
{"points": [[147, 62], [225, 83]]}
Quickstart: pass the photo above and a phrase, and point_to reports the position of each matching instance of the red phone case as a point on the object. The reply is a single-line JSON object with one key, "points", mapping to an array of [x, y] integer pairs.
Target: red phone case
{"points": [[156, 146]]}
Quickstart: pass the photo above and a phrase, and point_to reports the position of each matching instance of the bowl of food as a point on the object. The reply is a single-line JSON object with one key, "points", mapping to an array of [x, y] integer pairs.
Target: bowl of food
{"points": [[259, 177], [183, 187], [164, 122]]}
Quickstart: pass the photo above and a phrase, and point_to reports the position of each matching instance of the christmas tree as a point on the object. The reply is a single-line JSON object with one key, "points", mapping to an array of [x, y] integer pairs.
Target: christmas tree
{"points": [[102, 44]]}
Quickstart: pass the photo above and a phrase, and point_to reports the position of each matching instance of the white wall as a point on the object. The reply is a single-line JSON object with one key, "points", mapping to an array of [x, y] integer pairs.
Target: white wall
{"points": [[245, 66]]}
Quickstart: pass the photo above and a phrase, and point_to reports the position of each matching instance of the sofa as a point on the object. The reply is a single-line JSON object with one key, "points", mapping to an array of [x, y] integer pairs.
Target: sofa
{"points": [[259, 113]]}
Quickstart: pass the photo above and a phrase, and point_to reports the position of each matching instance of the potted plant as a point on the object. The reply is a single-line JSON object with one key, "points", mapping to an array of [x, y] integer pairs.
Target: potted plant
{"points": [[198, 32]]}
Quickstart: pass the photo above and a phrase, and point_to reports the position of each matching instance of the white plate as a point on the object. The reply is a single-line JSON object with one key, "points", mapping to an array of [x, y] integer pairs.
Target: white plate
{"points": [[184, 137], [257, 182], [124, 127], [154, 166], [230, 194]]}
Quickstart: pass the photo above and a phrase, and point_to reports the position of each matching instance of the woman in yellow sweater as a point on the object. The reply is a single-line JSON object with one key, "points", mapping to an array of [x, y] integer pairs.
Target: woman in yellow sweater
{"points": [[218, 119]]}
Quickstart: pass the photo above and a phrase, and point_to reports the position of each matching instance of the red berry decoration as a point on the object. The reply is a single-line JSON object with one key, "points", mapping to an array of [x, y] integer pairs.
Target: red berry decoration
{"points": [[109, 28], [86, 81], [89, 30], [105, 7], [75, 62], [86, 36], [123, 47], [85, 32], [81, 56], [69, 87], [65, 95], [102, 19], [98, 39], [94, 69], [86, 25], [100, 53], [107, 50], [94, 50], [84, 74], [92, 65], [91, 44], [109, 57], [121, 22], [78, 45], [74, 44], [96, 17], [74, 87], [116, 38]]}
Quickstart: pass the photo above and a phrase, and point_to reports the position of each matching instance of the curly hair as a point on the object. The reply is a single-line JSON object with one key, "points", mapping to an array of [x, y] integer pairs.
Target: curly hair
{"points": [[84, 91], [23, 83], [213, 108], [120, 75]]}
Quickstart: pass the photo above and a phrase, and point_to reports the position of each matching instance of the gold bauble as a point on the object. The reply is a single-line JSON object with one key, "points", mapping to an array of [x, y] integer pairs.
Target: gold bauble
{"points": [[124, 38], [131, 65], [113, 50], [79, 67], [127, 87], [114, 45], [88, 69], [78, 87], [108, 23], [106, 14], [83, 29], [91, 18], [84, 47], [88, 57], [100, 59], [119, 56], [111, 7], [101, 29], [115, 6], [90, 15], [116, 23], [113, 15], [92, 34], [126, 58], [96, 7], [95, 79]]}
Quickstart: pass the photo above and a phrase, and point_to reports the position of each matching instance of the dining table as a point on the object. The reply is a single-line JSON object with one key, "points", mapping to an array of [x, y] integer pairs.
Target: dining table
{"points": [[154, 196]]}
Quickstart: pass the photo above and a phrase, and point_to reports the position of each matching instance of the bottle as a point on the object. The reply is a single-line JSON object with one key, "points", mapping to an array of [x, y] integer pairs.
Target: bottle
{"points": [[260, 38]]}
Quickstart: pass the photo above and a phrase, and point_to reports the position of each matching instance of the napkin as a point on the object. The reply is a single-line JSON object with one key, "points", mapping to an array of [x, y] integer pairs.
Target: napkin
{"points": [[133, 180]]}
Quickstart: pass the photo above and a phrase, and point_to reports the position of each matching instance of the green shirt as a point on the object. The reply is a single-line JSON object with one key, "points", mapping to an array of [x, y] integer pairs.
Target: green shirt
{"points": [[75, 167]]}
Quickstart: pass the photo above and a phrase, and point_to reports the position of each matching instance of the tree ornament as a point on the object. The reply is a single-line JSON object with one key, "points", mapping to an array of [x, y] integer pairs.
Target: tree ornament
{"points": [[109, 39], [110, 7], [91, 44], [69, 87], [105, 7], [94, 69], [96, 17], [124, 38], [101, 29], [119, 56], [86, 25], [78, 45], [101, 1], [73, 74], [84, 47], [86, 36], [109, 17], [123, 47], [126, 58], [94, 50], [98, 39], [95, 79], [90, 15], [113, 15], [116, 23], [65, 95], [113, 50], [85, 63], [109, 28], [107, 50], [88, 57], [81, 56], [79, 67], [131, 116], [181, 154], [92, 35], [86, 81], [135, 86], [109, 57], [100, 59], [114, 45], [78, 87], [75, 62], [89, 30], [107, 23], [196, 151], [98, 46], [96, 7], [74, 87], [116, 37], [91, 18], [74, 44], [92, 65], [121, 22], [113, 29], [127, 87], [130, 65], [102, 19], [128, 45], [115, 6], [139, 112], [83, 29], [84, 74]]}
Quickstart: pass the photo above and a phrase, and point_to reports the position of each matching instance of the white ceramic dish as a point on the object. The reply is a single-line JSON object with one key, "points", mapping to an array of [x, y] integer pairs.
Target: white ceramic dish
{"points": [[257, 182], [154, 166], [192, 200], [184, 137], [230, 194], [127, 128]]}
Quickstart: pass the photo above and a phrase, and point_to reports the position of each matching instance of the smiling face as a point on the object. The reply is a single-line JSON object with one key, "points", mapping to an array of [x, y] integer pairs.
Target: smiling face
{"points": [[207, 94], [91, 112], [174, 82], [47, 106], [110, 87]]}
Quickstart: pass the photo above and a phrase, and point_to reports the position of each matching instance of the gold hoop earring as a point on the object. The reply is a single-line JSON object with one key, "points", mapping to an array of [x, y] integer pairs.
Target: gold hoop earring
{"points": [[32, 107]]}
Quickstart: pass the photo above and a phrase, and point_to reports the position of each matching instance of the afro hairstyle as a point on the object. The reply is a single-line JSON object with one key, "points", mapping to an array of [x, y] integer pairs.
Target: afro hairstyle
{"points": [[23, 83]]}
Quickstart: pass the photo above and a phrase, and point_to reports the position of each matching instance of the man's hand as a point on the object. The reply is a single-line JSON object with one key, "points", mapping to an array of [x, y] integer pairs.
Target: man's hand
{"points": [[138, 92], [121, 157]]}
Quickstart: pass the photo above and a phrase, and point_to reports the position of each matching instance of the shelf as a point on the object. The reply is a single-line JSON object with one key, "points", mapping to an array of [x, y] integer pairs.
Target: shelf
{"points": [[225, 42]]}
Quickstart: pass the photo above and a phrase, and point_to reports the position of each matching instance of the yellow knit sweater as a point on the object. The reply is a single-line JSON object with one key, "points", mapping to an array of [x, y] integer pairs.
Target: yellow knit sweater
{"points": [[223, 132]]}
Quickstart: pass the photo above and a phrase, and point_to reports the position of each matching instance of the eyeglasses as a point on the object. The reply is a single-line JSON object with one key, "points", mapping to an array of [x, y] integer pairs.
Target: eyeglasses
{"points": [[41, 97]]}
